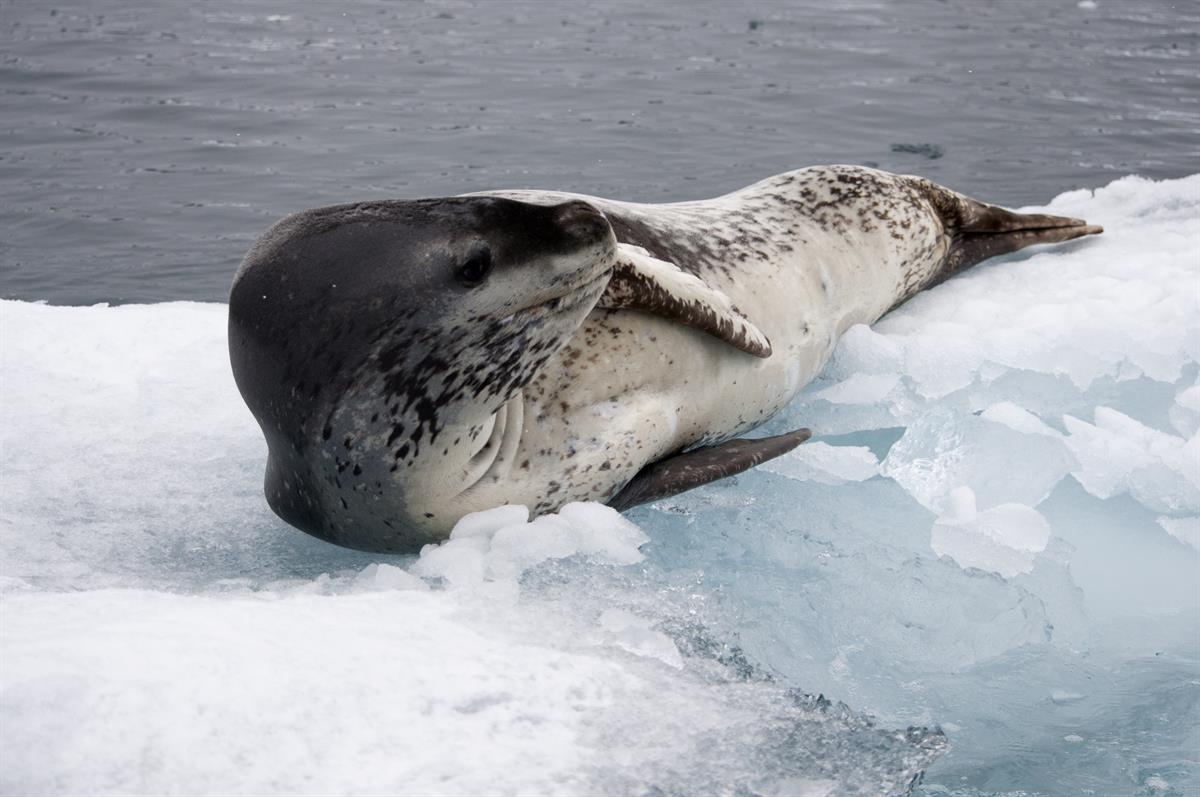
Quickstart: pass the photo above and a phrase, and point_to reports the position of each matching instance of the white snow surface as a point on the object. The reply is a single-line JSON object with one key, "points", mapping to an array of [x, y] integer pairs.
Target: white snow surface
{"points": [[1026, 572]]}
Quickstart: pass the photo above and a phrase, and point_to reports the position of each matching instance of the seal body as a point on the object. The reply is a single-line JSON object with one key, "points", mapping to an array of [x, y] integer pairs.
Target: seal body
{"points": [[574, 400]]}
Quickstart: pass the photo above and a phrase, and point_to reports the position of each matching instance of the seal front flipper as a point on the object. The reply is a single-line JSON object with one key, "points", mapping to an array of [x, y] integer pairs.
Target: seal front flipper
{"points": [[642, 282], [690, 469]]}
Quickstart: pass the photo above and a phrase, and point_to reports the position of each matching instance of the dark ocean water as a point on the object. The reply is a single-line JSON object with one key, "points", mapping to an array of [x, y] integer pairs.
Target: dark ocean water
{"points": [[143, 146]]}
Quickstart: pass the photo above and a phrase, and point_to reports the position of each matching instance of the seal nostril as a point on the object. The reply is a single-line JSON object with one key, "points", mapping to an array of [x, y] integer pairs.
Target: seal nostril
{"points": [[577, 210], [581, 220]]}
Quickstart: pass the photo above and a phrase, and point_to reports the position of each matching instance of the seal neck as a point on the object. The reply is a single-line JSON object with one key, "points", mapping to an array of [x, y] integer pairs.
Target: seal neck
{"points": [[493, 459]]}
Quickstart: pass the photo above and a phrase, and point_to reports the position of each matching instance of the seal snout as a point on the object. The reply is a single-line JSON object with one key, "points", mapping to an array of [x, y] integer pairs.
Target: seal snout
{"points": [[581, 221], [578, 210]]}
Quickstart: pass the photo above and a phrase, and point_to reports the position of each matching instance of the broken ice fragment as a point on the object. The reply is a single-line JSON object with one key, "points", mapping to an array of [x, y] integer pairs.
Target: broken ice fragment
{"points": [[821, 462], [637, 636], [1184, 529], [1118, 454], [1004, 539], [1007, 456]]}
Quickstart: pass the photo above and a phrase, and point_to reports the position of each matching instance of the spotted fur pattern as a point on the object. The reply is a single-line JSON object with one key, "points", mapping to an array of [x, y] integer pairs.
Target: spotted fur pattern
{"points": [[803, 255], [385, 445]]}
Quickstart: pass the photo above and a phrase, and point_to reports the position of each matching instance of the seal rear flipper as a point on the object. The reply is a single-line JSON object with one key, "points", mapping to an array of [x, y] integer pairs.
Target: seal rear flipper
{"points": [[682, 472], [642, 282], [989, 231], [979, 230]]}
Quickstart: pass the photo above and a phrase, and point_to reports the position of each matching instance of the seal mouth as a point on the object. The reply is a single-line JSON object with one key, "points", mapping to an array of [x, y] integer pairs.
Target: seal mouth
{"points": [[588, 288], [579, 293]]}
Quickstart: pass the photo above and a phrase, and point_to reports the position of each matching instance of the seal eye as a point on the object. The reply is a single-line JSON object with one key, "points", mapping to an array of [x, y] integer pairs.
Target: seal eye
{"points": [[476, 268]]}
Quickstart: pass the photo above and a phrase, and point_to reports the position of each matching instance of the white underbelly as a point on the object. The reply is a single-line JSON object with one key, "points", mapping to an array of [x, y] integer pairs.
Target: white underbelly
{"points": [[702, 389]]}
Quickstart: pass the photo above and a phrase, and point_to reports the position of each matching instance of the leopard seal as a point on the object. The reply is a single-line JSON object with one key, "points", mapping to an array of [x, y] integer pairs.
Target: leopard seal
{"points": [[410, 362]]}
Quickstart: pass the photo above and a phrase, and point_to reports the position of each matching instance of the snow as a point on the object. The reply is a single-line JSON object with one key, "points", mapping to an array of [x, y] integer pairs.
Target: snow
{"points": [[997, 530]]}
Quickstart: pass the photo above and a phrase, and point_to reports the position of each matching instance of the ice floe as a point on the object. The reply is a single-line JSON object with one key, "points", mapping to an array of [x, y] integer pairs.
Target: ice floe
{"points": [[995, 531]]}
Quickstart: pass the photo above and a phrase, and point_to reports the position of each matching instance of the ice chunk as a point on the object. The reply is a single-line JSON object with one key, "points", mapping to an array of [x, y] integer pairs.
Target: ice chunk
{"points": [[502, 543], [461, 562], [592, 530], [821, 462], [1105, 459], [637, 635], [1004, 539], [1119, 454], [1185, 411], [859, 389], [1018, 419], [487, 523], [862, 350], [1121, 560], [952, 364], [1184, 529], [1006, 456], [836, 418], [382, 576], [605, 535]]}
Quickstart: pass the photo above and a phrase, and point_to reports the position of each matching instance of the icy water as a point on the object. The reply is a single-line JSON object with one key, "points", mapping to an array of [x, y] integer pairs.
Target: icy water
{"points": [[988, 559], [143, 146]]}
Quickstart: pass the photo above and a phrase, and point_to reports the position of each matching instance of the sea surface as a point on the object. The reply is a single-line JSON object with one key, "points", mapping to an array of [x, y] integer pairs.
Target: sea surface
{"points": [[143, 146]]}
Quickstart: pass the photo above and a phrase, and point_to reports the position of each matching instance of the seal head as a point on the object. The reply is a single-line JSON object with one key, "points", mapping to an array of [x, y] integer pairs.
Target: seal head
{"points": [[382, 347]]}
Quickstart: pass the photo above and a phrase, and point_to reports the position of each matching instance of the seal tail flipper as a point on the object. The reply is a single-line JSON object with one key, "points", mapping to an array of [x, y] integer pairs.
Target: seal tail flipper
{"points": [[682, 472], [979, 230], [992, 231]]}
